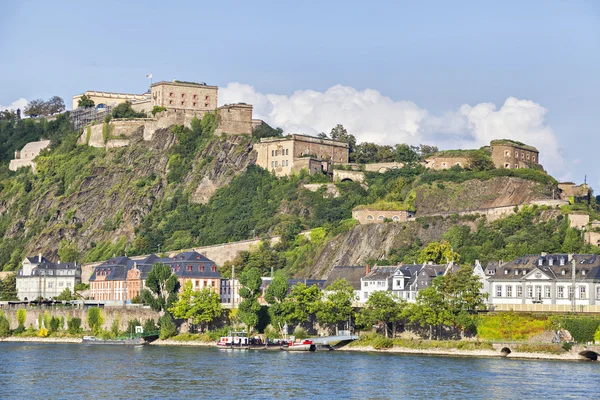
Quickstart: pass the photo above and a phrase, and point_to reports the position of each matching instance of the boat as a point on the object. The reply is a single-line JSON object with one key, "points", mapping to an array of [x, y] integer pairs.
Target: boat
{"points": [[139, 341], [303, 345], [235, 340]]}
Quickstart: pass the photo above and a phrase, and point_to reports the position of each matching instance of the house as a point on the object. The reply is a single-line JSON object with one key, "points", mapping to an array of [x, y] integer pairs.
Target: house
{"points": [[38, 277], [351, 274], [548, 279], [378, 278], [121, 278], [404, 282]]}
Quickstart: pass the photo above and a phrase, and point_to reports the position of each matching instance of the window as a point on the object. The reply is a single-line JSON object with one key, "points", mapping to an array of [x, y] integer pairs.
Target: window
{"points": [[538, 292], [517, 166], [516, 154], [561, 292], [276, 152], [570, 292], [272, 153], [272, 164], [379, 283], [562, 262], [276, 163], [498, 291], [507, 165], [206, 97], [201, 268], [519, 291], [170, 101], [50, 285], [540, 262], [189, 268], [183, 95], [68, 284], [528, 156], [380, 218], [206, 105], [399, 284], [195, 104], [506, 153], [287, 152], [213, 268], [547, 291], [369, 217], [395, 218], [598, 292], [60, 284], [533, 158], [530, 291], [550, 261], [443, 164], [582, 294], [170, 94], [195, 97], [365, 295], [183, 103], [522, 156], [509, 291]]}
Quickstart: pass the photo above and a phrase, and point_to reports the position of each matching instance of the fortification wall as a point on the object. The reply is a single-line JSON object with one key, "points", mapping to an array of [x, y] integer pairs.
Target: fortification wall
{"points": [[579, 221], [123, 314], [235, 119], [440, 163], [378, 217], [383, 167], [355, 176]]}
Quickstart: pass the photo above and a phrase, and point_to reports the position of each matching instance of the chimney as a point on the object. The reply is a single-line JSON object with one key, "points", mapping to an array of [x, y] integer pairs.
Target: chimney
{"points": [[570, 256], [39, 257], [368, 269]]}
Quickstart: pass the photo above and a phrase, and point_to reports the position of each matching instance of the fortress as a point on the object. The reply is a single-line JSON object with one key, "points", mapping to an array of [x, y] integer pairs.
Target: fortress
{"points": [[25, 156], [181, 102]]}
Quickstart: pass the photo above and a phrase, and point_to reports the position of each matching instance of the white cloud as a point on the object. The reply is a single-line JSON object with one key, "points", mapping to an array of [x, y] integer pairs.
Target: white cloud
{"points": [[20, 103], [370, 116]]}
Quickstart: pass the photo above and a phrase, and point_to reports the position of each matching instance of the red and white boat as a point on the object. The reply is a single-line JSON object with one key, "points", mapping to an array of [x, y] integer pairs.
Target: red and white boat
{"points": [[302, 345], [235, 340]]}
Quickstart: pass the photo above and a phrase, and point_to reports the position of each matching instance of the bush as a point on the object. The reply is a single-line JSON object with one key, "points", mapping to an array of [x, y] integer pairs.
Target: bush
{"points": [[21, 316], [54, 324], [20, 329], [95, 320], [300, 333], [567, 346], [43, 332], [167, 326], [150, 325], [74, 325], [4, 326], [582, 328]]}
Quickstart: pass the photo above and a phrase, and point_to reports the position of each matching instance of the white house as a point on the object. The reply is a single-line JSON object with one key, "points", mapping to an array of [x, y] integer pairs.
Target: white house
{"points": [[556, 279], [39, 277]]}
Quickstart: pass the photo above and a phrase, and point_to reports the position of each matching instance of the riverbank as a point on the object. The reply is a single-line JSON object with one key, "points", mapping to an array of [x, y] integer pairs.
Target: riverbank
{"points": [[572, 355], [32, 339]]}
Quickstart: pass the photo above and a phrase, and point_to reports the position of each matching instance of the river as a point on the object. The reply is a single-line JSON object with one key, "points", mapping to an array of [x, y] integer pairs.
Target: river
{"points": [[73, 371]]}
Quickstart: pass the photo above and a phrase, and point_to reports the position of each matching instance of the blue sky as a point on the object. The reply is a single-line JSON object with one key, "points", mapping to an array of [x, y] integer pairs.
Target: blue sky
{"points": [[429, 71]]}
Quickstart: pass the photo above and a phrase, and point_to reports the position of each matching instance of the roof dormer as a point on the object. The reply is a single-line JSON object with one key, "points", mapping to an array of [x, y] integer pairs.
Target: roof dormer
{"points": [[550, 261], [540, 262]]}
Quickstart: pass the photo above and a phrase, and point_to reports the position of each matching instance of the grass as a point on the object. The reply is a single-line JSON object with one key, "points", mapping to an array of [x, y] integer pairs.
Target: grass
{"points": [[541, 348], [380, 342], [192, 337], [511, 326]]}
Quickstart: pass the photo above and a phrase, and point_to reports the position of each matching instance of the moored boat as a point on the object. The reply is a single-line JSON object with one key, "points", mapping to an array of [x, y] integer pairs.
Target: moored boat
{"points": [[140, 341], [235, 340], [303, 345]]}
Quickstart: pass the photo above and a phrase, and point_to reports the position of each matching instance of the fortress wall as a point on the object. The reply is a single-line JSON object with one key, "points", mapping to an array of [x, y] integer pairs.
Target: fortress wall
{"points": [[235, 119], [383, 167], [354, 176], [124, 314]]}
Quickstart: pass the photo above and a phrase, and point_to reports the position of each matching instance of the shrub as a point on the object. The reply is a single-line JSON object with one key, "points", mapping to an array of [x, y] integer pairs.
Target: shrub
{"points": [[95, 319], [43, 332], [114, 328], [54, 324], [21, 316], [4, 326], [150, 325], [300, 333], [74, 325], [567, 346], [382, 343], [541, 348], [157, 109], [20, 329], [582, 329], [167, 326]]}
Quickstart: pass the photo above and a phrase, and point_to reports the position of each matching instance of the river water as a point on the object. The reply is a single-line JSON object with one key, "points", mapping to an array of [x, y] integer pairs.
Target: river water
{"points": [[73, 371]]}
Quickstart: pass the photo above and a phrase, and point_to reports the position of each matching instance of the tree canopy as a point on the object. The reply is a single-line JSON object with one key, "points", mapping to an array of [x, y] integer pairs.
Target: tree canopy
{"points": [[162, 286], [199, 306]]}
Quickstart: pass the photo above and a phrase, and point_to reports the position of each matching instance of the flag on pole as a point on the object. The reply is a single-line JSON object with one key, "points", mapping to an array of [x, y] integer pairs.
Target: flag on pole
{"points": [[149, 76]]}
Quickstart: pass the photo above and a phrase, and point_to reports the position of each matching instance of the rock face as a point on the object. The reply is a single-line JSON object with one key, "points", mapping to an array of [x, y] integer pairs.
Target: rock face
{"points": [[475, 194], [123, 187]]}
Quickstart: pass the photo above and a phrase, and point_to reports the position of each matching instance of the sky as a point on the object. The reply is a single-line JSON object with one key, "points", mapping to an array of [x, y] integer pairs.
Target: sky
{"points": [[452, 74]]}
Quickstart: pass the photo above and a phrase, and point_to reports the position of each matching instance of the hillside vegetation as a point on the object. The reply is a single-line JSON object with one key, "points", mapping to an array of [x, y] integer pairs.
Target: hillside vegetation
{"points": [[189, 187]]}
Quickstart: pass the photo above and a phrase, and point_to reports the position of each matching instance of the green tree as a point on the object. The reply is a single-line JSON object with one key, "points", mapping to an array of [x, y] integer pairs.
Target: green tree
{"points": [[340, 133], [68, 251], [573, 241], [249, 308], [95, 320], [85, 102], [264, 130], [337, 304], [438, 253], [114, 328], [405, 154], [480, 161], [4, 326], [167, 326], [21, 316], [8, 288], [74, 326], [198, 306], [161, 288], [65, 295], [124, 110], [279, 309], [35, 108], [381, 307]]}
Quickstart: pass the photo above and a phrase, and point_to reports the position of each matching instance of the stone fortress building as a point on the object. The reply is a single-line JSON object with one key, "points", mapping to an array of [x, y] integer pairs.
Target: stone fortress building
{"points": [[295, 152], [504, 153], [25, 156], [183, 102]]}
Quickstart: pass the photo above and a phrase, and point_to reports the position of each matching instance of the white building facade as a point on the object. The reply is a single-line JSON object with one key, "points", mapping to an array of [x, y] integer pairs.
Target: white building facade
{"points": [[40, 278]]}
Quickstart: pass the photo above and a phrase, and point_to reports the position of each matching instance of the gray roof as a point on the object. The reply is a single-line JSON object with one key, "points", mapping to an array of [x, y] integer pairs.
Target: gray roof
{"points": [[43, 268], [380, 273], [351, 274], [587, 267], [185, 265]]}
